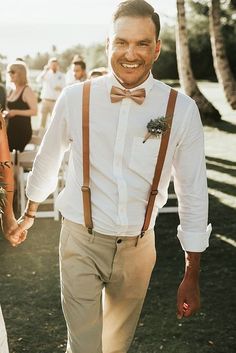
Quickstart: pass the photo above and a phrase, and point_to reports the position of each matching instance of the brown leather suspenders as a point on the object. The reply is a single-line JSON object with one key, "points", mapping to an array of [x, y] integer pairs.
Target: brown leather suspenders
{"points": [[86, 165], [160, 161]]}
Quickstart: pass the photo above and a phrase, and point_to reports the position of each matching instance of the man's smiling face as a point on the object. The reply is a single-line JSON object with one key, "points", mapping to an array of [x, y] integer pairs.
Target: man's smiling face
{"points": [[132, 49]]}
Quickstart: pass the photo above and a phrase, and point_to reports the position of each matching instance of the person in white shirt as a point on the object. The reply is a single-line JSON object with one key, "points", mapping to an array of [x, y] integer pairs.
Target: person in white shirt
{"points": [[77, 71], [104, 245], [53, 81]]}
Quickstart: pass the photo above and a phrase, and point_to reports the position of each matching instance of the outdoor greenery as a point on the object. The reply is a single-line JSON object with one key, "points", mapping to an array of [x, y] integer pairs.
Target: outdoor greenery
{"points": [[166, 66]]}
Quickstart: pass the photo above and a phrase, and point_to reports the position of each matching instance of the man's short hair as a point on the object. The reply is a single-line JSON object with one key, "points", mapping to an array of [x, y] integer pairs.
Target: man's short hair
{"points": [[81, 63], [138, 8]]}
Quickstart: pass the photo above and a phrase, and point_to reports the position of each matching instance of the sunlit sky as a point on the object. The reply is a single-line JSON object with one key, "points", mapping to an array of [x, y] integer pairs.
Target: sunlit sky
{"points": [[31, 26]]}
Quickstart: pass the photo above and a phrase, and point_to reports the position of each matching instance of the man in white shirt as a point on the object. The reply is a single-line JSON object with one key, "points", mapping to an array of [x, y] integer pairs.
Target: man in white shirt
{"points": [[115, 251], [53, 81], [77, 71]]}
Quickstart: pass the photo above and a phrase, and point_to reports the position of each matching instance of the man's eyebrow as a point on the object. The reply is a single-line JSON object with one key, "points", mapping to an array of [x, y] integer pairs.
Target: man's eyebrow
{"points": [[145, 40]]}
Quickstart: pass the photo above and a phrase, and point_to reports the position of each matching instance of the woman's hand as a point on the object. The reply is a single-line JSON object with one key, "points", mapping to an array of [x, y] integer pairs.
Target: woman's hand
{"points": [[11, 113]]}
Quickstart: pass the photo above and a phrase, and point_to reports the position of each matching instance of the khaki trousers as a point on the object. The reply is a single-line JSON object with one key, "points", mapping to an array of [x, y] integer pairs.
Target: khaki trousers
{"points": [[103, 321], [46, 111]]}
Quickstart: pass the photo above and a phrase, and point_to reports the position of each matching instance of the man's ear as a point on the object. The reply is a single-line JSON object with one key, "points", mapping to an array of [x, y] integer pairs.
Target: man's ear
{"points": [[157, 49]]}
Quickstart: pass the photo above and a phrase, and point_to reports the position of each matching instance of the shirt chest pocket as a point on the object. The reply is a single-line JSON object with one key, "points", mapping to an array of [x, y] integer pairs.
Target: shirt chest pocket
{"points": [[143, 157]]}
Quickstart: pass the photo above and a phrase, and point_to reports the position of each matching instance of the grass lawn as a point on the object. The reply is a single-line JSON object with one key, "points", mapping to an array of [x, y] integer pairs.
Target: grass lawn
{"points": [[29, 274]]}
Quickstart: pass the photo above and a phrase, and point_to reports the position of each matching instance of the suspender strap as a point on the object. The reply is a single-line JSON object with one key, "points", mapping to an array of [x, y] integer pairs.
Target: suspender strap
{"points": [[160, 161], [86, 192]]}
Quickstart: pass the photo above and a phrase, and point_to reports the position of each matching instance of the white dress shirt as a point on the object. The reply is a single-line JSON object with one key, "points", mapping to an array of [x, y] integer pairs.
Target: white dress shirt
{"points": [[122, 166], [52, 84]]}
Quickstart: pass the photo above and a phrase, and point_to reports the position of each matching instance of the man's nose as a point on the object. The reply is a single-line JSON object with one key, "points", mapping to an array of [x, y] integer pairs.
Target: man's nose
{"points": [[130, 53]]}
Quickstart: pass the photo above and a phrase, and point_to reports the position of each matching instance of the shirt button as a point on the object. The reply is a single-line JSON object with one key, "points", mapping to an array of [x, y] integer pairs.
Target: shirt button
{"points": [[119, 241]]}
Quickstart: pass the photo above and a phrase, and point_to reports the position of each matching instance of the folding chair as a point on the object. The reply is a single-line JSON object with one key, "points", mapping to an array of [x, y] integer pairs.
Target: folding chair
{"points": [[24, 165]]}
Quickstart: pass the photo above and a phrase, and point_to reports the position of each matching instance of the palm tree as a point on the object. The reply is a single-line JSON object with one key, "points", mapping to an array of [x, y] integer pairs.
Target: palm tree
{"points": [[208, 112], [220, 60]]}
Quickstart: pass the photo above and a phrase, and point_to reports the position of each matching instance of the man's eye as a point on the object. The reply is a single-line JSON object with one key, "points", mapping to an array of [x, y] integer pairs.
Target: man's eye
{"points": [[143, 44]]}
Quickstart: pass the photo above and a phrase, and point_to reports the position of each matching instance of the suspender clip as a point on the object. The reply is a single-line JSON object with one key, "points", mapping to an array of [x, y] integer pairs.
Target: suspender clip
{"points": [[90, 230], [154, 192], [142, 233]]}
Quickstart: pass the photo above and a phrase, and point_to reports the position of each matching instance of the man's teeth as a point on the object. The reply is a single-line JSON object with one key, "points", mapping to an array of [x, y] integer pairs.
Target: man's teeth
{"points": [[130, 66]]}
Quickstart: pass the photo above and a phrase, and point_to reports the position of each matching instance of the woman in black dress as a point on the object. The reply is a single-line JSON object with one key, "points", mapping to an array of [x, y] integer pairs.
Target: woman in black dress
{"points": [[21, 105]]}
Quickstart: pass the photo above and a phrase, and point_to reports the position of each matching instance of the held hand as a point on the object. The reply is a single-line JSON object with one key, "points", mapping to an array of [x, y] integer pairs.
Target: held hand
{"points": [[188, 298], [17, 236], [9, 226]]}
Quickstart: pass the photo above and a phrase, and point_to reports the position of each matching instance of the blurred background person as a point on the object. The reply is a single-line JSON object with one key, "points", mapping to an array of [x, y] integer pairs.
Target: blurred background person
{"points": [[97, 71], [21, 105], [77, 71], [52, 81], [2, 94]]}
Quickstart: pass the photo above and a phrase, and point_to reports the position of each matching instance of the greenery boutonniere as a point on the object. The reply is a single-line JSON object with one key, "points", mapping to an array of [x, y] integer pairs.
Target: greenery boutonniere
{"points": [[157, 127]]}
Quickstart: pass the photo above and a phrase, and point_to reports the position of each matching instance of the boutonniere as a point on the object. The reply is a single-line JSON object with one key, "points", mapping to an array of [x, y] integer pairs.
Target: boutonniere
{"points": [[157, 127]]}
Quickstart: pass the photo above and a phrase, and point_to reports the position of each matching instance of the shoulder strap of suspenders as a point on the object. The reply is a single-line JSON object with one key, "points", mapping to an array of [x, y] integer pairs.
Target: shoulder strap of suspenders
{"points": [[160, 161], [86, 192], [86, 165]]}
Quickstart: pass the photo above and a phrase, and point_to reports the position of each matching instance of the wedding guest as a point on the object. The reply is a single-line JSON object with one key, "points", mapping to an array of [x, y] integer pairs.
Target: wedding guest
{"points": [[21, 106], [2, 94], [53, 81], [77, 72], [97, 72]]}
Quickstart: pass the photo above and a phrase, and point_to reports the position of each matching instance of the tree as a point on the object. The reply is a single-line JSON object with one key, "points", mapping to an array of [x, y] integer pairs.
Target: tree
{"points": [[220, 60], [208, 112]]}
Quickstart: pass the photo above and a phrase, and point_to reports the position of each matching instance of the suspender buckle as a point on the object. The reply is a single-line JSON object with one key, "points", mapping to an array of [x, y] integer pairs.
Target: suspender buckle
{"points": [[85, 188]]}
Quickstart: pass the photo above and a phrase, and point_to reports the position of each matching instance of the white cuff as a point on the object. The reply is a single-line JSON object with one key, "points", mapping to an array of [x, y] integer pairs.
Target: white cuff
{"points": [[194, 241]]}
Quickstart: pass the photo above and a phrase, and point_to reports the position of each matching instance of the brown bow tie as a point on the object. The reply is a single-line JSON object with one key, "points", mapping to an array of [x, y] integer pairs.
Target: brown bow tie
{"points": [[117, 94]]}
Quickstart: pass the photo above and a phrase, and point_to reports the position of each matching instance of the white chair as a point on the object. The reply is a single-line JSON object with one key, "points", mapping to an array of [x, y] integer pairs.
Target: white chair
{"points": [[23, 167]]}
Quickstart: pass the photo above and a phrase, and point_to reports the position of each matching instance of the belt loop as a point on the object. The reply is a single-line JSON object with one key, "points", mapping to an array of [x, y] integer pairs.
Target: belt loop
{"points": [[137, 240]]}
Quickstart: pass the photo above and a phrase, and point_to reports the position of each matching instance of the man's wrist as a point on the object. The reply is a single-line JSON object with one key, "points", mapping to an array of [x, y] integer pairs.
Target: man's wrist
{"points": [[31, 209], [192, 264]]}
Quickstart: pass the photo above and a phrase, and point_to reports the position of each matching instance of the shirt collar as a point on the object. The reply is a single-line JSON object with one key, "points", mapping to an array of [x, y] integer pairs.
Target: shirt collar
{"points": [[111, 80]]}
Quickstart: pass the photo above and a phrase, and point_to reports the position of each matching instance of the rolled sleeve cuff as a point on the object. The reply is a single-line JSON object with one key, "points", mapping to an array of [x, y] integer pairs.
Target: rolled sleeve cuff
{"points": [[194, 241], [36, 193]]}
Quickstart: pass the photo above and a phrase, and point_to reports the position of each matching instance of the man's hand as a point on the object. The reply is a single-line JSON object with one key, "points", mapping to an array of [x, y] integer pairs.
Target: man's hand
{"points": [[9, 227], [188, 295], [188, 298], [18, 235]]}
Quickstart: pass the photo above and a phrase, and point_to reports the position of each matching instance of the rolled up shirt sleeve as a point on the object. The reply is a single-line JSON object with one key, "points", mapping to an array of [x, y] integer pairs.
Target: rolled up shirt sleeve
{"points": [[190, 182], [43, 178]]}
